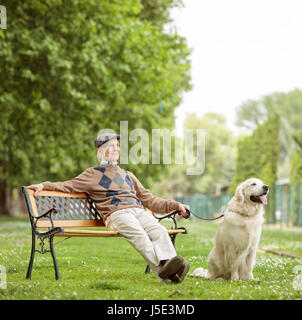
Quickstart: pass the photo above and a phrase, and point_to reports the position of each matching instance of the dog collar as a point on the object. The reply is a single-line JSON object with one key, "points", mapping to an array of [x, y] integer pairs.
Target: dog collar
{"points": [[243, 214], [240, 213]]}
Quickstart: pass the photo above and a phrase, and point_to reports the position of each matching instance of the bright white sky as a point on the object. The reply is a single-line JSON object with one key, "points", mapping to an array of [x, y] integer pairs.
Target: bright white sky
{"points": [[242, 49]]}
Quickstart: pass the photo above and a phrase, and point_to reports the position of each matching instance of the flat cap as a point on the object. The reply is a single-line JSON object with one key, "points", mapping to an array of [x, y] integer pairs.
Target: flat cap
{"points": [[105, 137]]}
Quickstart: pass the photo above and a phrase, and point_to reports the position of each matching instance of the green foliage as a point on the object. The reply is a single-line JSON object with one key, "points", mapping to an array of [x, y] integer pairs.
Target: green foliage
{"points": [[157, 11], [296, 179], [296, 166], [258, 157], [72, 68], [220, 153], [258, 154], [289, 107]]}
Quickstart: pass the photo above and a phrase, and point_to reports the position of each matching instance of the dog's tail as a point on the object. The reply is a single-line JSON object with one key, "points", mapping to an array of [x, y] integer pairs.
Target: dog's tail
{"points": [[200, 272]]}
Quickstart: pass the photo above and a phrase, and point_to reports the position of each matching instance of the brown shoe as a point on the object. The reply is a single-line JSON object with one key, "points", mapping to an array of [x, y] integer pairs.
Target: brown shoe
{"points": [[181, 273], [171, 267]]}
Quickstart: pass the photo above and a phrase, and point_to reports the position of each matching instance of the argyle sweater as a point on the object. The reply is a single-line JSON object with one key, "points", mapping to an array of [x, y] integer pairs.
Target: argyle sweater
{"points": [[112, 188]]}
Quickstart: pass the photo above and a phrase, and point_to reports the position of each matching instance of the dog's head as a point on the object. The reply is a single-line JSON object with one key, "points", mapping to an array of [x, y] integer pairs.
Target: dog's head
{"points": [[252, 190]]}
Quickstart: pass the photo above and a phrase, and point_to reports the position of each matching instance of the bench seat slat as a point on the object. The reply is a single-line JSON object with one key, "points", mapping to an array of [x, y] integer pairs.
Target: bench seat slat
{"points": [[88, 233], [102, 233]]}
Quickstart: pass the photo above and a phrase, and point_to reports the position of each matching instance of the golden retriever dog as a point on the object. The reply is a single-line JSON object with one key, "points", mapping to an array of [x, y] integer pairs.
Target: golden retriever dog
{"points": [[233, 256]]}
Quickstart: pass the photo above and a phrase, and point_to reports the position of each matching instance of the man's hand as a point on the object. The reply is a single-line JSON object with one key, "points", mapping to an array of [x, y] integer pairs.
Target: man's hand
{"points": [[182, 208], [37, 187]]}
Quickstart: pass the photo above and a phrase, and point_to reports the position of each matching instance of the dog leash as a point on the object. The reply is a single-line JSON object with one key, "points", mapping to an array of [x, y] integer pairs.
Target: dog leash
{"points": [[195, 215], [189, 212]]}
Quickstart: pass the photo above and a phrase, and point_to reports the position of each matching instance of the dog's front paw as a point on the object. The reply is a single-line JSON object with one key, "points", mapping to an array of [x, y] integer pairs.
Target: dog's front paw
{"points": [[235, 276], [200, 272], [249, 276]]}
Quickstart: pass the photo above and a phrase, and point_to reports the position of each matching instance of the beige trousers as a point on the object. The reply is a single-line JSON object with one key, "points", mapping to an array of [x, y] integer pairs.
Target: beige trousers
{"points": [[144, 233]]}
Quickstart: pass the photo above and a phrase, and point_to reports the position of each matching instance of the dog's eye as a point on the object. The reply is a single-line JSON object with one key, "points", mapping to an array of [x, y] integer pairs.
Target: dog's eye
{"points": [[253, 184]]}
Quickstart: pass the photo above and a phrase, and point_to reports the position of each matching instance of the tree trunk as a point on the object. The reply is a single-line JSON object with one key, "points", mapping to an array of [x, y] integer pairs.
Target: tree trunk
{"points": [[21, 202], [6, 200]]}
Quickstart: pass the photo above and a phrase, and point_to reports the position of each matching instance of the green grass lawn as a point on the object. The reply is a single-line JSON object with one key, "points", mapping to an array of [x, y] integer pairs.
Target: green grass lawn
{"points": [[109, 268]]}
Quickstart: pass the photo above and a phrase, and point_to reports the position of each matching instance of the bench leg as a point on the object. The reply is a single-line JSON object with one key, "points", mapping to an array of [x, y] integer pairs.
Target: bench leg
{"points": [[147, 269], [173, 237], [54, 258], [32, 255]]}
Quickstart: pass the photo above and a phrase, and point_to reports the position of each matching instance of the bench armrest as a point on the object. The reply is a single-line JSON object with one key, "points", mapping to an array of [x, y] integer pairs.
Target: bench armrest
{"points": [[47, 214], [50, 232], [172, 215]]}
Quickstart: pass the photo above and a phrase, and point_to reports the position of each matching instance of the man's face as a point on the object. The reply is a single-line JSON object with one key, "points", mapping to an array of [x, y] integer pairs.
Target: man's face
{"points": [[110, 151]]}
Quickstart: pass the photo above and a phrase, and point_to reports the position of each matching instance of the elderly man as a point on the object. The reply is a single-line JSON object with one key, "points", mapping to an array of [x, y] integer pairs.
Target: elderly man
{"points": [[120, 198]]}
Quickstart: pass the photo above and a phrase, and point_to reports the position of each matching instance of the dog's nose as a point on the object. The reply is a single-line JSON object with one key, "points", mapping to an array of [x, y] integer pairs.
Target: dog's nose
{"points": [[265, 187]]}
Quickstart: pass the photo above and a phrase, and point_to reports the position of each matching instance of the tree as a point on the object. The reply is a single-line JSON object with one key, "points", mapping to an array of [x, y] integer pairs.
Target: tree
{"points": [[296, 180], [157, 11], [296, 169], [72, 68], [288, 106], [220, 154]]}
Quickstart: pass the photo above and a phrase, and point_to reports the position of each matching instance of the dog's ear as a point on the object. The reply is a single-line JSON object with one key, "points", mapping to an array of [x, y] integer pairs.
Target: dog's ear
{"points": [[239, 194]]}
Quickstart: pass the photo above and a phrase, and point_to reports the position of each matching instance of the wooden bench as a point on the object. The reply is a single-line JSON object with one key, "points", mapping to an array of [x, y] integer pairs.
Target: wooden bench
{"points": [[61, 213]]}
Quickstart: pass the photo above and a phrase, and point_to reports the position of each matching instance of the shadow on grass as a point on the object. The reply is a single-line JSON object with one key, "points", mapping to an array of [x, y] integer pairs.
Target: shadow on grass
{"points": [[106, 285]]}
